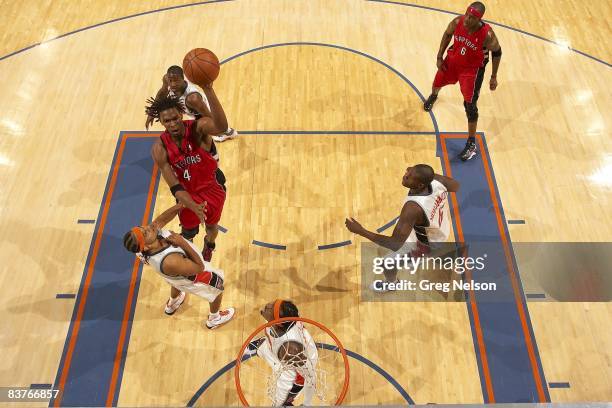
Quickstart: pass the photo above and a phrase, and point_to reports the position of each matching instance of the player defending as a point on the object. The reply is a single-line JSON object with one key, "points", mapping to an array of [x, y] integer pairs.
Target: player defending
{"points": [[465, 62], [196, 104], [291, 352], [184, 156], [423, 218], [179, 262]]}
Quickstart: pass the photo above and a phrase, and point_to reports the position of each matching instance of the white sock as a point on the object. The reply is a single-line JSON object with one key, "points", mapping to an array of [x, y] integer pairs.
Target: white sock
{"points": [[213, 316]]}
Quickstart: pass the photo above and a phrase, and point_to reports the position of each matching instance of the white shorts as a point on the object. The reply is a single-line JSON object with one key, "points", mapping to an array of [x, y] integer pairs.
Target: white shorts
{"points": [[203, 290]]}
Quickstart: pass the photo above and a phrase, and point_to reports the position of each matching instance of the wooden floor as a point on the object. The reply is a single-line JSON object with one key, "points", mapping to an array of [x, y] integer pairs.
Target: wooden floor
{"points": [[65, 102]]}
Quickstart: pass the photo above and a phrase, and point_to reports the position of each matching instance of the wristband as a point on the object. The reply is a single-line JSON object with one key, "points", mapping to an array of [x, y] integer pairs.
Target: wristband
{"points": [[176, 188]]}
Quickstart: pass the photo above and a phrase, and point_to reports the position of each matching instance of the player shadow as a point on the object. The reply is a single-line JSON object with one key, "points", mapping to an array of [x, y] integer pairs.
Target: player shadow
{"points": [[409, 118], [74, 195]]}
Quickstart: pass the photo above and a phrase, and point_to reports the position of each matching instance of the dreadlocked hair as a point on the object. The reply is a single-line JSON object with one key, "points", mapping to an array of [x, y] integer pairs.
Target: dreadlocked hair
{"points": [[155, 106]]}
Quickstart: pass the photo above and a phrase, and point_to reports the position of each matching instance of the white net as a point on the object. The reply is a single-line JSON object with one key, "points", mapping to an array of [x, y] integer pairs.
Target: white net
{"points": [[292, 363]]}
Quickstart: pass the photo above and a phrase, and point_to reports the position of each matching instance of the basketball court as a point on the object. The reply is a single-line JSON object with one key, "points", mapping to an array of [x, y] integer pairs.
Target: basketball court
{"points": [[327, 96]]}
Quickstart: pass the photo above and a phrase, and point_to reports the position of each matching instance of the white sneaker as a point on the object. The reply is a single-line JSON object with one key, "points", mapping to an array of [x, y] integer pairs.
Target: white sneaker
{"points": [[231, 133], [173, 303], [224, 317]]}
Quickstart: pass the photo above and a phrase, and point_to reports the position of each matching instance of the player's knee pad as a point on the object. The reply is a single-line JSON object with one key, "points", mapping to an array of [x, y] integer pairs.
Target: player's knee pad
{"points": [[471, 111], [190, 233]]}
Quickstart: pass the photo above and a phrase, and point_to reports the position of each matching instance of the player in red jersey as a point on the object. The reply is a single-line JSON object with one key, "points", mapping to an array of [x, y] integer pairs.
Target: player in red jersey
{"points": [[184, 156], [465, 62]]}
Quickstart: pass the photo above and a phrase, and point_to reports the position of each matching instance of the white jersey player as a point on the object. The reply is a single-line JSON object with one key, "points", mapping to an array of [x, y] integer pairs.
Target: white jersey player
{"points": [[423, 219], [175, 84], [290, 351], [180, 263]]}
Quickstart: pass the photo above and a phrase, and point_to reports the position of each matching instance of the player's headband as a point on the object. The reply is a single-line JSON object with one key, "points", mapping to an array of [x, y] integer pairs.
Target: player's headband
{"points": [[139, 238], [277, 305], [475, 12]]}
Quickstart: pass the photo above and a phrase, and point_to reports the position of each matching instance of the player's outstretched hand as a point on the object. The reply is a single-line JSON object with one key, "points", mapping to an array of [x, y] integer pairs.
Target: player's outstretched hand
{"points": [[493, 83], [200, 210], [353, 225]]}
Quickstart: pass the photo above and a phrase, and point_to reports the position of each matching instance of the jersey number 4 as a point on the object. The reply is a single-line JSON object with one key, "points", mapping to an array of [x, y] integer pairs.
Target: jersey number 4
{"points": [[186, 175]]}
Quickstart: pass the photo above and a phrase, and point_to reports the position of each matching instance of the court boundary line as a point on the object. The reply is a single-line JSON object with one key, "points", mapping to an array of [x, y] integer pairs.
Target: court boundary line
{"points": [[79, 307], [202, 3], [343, 48], [519, 295]]}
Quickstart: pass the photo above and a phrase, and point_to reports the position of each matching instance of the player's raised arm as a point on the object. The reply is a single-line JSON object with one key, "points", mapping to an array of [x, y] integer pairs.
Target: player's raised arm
{"points": [[162, 92], [492, 45], [167, 216], [410, 215], [179, 241], [161, 158], [451, 184], [194, 101], [446, 38], [217, 123]]}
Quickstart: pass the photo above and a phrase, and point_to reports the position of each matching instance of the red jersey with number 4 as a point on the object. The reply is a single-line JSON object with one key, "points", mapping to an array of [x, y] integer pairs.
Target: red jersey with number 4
{"points": [[467, 49], [194, 167]]}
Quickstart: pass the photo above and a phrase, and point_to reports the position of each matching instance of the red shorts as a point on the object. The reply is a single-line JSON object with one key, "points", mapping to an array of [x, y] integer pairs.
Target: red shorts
{"points": [[453, 73], [214, 197]]}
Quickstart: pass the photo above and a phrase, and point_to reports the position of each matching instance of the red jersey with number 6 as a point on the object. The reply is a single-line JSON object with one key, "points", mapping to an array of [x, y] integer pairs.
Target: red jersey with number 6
{"points": [[194, 167], [467, 49]]}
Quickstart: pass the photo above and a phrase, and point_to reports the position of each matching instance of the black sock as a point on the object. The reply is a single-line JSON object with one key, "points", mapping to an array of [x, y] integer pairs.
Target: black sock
{"points": [[210, 245], [471, 139]]}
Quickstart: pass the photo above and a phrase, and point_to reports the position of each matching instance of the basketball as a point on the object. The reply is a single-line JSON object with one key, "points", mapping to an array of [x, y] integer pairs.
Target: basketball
{"points": [[201, 66]]}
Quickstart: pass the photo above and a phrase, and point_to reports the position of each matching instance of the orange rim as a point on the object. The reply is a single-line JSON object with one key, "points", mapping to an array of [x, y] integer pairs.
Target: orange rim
{"points": [[292, 319]]}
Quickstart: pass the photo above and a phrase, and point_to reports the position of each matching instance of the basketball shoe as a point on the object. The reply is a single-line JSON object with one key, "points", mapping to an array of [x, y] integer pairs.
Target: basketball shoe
{"points": [[468, 151], [220, 318], [429, 103], [174, 303], [207, 252], [230, 133]]}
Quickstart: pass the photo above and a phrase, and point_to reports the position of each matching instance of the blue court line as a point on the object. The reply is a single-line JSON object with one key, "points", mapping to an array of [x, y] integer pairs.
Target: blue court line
{"points": [[86, 221], [507, 355], [268, 245], [222, 228], [335, 245], [349, 353], [88, 370], [41, 386], [65, 296], [559, 385], [516, 221], [535, 296], [387, 225], [339, 47], [221, 1]]}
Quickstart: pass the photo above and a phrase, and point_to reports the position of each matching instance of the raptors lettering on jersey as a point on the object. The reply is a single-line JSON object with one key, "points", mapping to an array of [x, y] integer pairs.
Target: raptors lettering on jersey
{"points": [[194, 167], [467, 49]]}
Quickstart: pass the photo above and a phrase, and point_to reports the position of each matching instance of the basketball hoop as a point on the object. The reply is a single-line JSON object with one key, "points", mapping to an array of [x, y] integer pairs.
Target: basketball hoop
{"points": [[320, 370]]}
